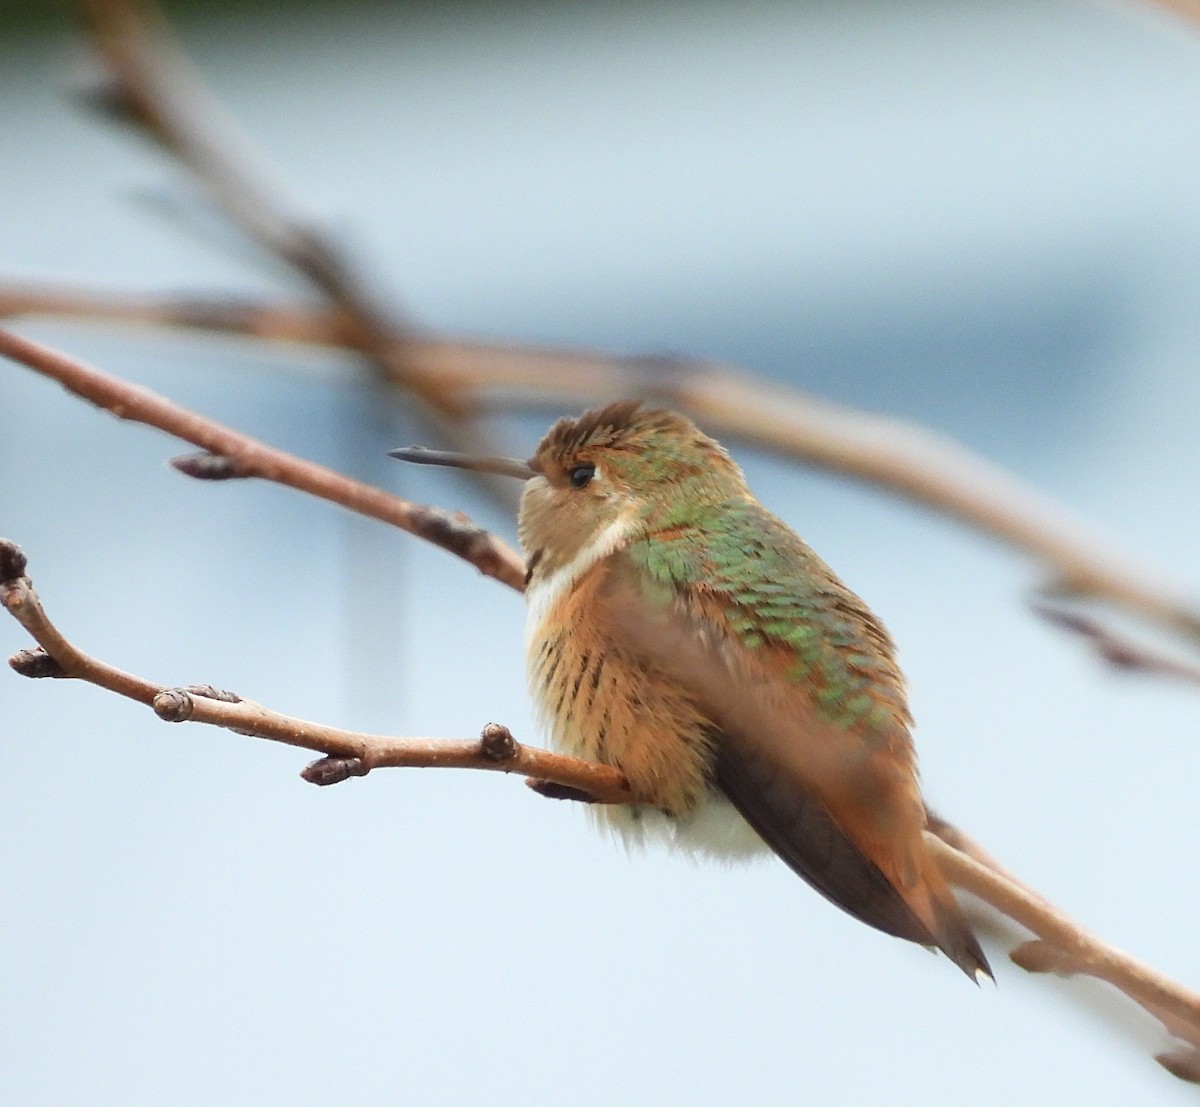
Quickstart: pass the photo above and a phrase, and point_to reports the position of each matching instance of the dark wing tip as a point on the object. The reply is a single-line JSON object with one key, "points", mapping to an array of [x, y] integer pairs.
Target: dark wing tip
{"points": [[804, 835], [964, 950]]}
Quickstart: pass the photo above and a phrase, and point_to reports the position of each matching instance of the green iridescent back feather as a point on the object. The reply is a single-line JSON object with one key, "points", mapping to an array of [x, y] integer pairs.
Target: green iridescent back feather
{"points": [[775, 590]]}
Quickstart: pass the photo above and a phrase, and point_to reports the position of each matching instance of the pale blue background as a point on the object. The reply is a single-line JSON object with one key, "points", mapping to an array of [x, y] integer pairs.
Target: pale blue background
{"points": [[982, 217]]}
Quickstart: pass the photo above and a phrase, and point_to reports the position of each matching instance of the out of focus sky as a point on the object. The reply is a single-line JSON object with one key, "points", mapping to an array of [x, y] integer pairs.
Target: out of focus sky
{"points": [[985, 218]]}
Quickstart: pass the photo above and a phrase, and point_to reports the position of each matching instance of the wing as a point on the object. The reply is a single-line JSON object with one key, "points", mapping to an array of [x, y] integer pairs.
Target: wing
{"points": [[797, 826], [808, 710]]}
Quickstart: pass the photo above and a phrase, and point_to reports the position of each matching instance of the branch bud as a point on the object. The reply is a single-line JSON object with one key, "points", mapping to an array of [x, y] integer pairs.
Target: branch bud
{"points": [[206, 466], [35, 663], [496, 743], [12, 561], [174, 705]]}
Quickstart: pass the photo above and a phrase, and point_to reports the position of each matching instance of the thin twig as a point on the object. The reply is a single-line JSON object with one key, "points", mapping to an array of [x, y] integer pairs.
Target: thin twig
{"points": [[496, 749], [21, 602], [1065, 946], [153, 86], [232, 315], [905, 459], [1120, 653], [1066, 949], [249, 457]]}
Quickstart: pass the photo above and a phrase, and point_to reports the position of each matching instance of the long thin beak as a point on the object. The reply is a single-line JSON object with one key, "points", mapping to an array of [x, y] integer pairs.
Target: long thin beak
{"points": [[503, 466]]}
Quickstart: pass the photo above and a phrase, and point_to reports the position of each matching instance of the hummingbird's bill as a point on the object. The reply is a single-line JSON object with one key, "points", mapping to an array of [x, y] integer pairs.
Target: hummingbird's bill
{"points": [[501, 466]]}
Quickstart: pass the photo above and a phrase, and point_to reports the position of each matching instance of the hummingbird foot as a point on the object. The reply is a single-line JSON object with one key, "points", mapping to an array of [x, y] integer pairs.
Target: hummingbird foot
{"points": [[551, 790]]}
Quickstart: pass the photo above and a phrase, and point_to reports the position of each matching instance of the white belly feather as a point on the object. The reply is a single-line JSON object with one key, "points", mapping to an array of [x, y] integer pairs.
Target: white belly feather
{"points": [[715, 829]]}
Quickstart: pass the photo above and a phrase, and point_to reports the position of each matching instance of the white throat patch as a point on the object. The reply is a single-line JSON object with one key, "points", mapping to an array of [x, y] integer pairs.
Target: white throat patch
{"points": [[544, 594]]}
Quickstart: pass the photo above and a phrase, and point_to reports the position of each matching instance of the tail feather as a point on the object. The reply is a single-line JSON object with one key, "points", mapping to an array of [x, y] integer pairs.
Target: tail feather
{"points": [[934, 904]]}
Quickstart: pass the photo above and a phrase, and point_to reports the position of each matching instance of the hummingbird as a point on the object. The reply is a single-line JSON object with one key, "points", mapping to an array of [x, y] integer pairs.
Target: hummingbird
{"points": [[683, 634]]}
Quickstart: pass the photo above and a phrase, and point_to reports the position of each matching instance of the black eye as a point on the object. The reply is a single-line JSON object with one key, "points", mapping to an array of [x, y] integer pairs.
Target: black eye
{"points": [[580, 475]]}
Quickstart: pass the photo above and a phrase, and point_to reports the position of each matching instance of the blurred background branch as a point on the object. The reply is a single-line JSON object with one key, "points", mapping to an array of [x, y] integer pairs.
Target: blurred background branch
{"points": [[149, 84], [902, 459]]}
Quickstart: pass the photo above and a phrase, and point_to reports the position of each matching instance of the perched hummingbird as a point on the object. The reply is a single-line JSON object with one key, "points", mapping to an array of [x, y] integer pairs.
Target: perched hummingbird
{"points": [[683, 634]]}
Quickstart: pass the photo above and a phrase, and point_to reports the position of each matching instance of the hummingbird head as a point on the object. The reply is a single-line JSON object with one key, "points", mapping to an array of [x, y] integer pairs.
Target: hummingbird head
{"points": [[610, 475]]}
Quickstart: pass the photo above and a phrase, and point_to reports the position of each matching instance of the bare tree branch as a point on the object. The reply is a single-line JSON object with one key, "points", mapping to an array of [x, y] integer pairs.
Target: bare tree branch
{"points": [[152, 85], [247, 457], [1064, 946], [496, 749], [21, 602]]}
